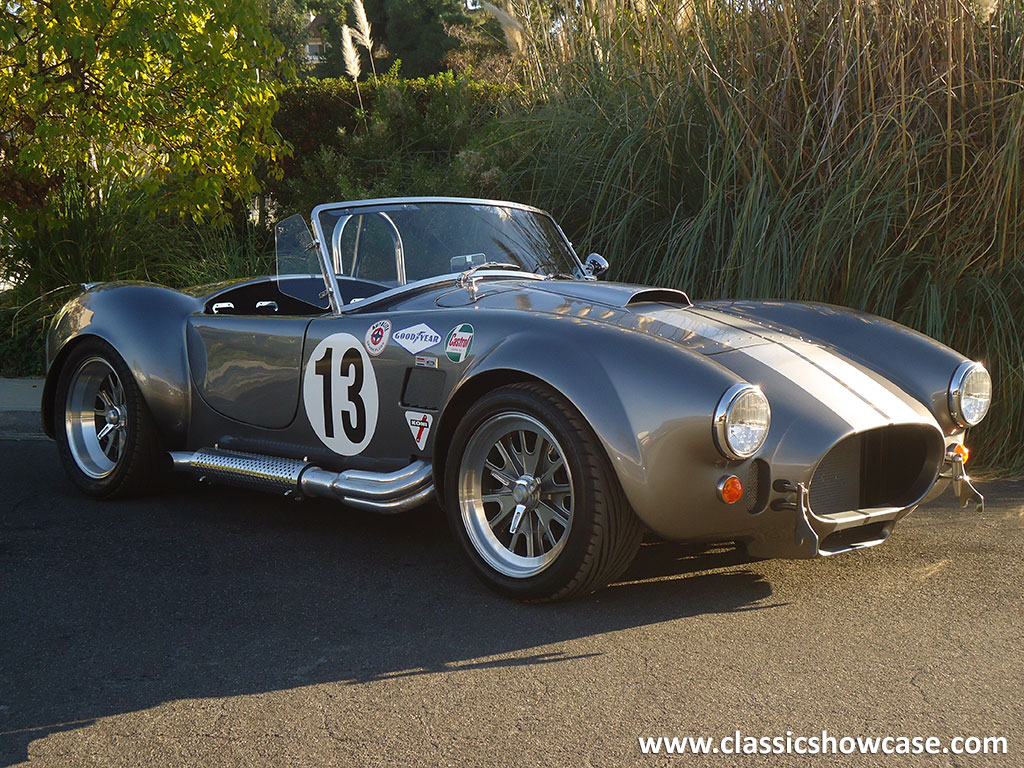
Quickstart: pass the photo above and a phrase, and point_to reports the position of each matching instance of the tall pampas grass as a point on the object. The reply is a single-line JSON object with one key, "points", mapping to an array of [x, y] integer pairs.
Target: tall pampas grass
{"points": [[512, 28], [855, 152], [350, 55], [353, 67], [363, 33]]}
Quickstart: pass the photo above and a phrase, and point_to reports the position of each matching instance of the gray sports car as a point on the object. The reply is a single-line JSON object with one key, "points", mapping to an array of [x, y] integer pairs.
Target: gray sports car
{"points": [[459, 350]]}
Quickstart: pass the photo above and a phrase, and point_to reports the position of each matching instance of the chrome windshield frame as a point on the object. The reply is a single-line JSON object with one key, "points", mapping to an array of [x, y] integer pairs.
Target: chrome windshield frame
{"points": [[327, 262]]}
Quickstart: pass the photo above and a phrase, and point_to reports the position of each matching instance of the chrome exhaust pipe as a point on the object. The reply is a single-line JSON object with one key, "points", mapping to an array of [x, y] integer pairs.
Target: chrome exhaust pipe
{"points": [[385, 492]]}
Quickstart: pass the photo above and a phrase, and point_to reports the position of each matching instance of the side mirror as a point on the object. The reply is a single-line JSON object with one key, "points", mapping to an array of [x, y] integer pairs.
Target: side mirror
{"points": [[595, 266]]}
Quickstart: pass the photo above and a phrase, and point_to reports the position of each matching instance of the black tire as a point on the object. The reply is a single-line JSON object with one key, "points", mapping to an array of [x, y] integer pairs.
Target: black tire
{"points": [[603, 534], [137, 460]]}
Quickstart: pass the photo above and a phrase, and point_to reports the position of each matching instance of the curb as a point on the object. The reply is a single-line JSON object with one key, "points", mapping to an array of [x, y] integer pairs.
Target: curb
{"points": [[21, 425], [20, 417]]}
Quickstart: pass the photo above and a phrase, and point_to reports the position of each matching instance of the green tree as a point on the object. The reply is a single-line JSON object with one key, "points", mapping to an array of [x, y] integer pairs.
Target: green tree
{"points": [[418, 32], [288, 21], [177, 94]]}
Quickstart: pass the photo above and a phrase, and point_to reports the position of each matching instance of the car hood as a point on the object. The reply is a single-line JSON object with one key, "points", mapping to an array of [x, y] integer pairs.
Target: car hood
{"points": [[789, 365], [661, 312]]}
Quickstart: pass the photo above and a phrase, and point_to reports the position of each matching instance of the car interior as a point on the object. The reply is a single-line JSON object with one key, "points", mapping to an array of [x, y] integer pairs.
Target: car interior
{"points": [[287, 295]]}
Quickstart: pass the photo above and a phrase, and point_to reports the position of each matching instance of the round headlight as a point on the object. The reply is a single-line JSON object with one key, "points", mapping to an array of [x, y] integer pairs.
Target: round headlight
{"points": [[970, 394], [741, 421]]}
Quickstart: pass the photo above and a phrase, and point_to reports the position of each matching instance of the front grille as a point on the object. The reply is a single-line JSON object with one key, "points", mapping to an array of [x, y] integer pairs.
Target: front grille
{"points": [[835, 486], [888, 467]]}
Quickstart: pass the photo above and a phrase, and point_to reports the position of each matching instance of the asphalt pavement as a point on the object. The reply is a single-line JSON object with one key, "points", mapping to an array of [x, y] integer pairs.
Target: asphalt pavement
{"points": [[215, 627]]}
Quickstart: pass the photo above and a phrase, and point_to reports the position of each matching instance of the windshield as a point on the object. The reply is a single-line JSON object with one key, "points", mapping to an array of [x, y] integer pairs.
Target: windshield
{"points": [[398, 243]]}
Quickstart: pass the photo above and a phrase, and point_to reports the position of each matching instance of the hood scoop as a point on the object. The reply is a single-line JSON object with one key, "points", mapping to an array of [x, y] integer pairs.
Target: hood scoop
{"points": [[661, 296]]}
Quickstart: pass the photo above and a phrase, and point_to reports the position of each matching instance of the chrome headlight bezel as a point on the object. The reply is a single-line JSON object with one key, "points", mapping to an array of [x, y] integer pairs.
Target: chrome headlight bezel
{"points": [[956, 390], [723, 415]]}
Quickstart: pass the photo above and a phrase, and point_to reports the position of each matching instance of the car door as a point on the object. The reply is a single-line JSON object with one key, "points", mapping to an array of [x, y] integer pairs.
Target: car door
{"points": [[372, 385], [245, 367]]}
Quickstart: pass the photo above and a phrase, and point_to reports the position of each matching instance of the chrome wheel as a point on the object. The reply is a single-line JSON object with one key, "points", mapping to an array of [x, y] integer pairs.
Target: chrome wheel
{"points": [[515, 494], [96, 418]]}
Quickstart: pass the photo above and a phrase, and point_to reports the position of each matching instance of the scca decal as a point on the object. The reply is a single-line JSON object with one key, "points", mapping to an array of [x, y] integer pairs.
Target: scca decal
{"points": [[377, 337], [339, 390]]}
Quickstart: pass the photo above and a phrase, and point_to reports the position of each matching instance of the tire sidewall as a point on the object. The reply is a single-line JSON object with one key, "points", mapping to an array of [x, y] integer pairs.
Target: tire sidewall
{"points": [[564, 569]]}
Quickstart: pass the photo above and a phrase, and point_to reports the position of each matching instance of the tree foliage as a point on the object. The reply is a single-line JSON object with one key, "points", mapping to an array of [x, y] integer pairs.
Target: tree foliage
{"points": [[178, 94], [416, 32], [421, 34]]}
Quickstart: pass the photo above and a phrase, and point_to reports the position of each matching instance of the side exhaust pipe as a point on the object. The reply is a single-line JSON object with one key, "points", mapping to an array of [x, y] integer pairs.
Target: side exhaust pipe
{"points": [[385, 492]]}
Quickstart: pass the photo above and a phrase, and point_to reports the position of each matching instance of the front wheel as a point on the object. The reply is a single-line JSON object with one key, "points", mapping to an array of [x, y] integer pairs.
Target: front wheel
{"points": [[533, 500], [106, 436]]}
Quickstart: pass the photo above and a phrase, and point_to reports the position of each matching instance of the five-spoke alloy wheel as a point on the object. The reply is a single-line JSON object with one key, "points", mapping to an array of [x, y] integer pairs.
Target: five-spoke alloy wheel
{"points": [[96, 418], [105, 434], [532, 498]]}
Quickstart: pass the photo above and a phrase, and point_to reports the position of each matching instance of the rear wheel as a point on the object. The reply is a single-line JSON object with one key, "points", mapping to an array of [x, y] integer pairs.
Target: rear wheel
{"points": [[106, 436], [533, 500]]}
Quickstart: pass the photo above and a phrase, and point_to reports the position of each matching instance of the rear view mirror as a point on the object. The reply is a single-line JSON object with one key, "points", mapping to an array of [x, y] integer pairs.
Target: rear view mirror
{"points": [[595, 266], [470, 260]]}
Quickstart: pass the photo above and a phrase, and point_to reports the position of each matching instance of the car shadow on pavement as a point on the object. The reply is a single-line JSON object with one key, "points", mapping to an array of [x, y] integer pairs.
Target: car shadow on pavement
{"points": [[113, 607]]}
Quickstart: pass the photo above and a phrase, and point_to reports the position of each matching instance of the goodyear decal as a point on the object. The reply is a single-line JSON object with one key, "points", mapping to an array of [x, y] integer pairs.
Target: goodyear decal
{"points": [[417, 338]]}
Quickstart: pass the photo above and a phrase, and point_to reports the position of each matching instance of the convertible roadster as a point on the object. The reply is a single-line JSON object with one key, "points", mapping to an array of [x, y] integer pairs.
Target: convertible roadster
{"points": [[458, 350]]}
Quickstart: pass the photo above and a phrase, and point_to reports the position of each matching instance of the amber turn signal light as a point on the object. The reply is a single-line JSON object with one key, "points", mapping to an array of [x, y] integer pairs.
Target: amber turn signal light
{"points": [[730, 489], [963, 451]]}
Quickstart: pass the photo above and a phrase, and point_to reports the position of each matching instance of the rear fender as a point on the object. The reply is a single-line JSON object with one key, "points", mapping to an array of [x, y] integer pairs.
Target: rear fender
{"points": [[145, 324]]}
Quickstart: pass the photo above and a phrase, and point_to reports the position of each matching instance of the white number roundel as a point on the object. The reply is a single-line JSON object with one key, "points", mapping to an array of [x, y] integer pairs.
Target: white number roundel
{"points": [[340, 392]]}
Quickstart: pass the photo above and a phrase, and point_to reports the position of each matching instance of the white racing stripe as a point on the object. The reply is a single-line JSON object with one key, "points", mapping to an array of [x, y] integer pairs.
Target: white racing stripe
{"points": [[818, 384], [848, 392], [876, 394]]}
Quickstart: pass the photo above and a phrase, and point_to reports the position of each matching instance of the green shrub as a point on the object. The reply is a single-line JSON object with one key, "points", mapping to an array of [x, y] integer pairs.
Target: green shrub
{"points": [[110, 236], [405, 139]]}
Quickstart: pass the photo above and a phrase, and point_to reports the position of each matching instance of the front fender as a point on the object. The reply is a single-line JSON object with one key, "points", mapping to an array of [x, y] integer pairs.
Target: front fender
{"points": [[145, 323], [650, 402]]}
